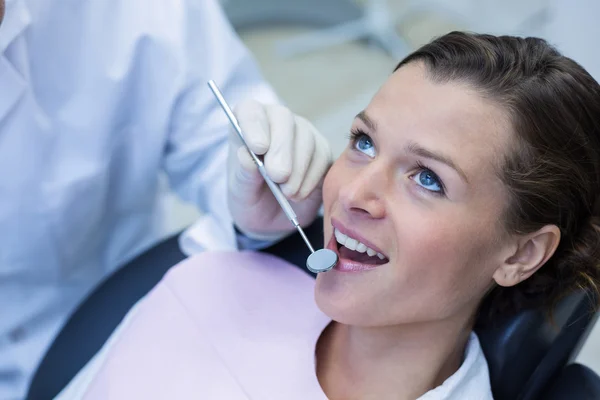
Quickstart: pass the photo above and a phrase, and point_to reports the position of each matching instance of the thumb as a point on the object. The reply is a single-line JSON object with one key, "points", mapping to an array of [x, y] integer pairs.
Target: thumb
{"points": [[247, 172], [246, 182], [308, 209]]}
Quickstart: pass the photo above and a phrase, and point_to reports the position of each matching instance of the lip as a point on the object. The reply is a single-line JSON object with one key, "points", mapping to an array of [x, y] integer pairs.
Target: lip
{"points": [[355, 235], [344, 264]]}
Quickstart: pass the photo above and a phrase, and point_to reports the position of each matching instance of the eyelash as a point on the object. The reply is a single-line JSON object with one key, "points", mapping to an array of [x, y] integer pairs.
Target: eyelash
{"points": [[357, 133]]}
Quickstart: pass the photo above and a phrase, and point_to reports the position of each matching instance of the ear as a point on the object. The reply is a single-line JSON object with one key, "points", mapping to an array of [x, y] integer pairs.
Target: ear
{"points": [[532, 251]]}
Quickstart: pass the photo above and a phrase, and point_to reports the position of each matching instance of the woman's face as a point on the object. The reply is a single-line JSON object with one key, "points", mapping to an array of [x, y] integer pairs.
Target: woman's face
{"points": [[418, 184]]}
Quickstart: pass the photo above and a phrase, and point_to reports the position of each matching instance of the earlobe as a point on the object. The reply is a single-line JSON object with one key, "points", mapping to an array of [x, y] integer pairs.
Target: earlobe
{"points": [[532, 252], [508, 275]]}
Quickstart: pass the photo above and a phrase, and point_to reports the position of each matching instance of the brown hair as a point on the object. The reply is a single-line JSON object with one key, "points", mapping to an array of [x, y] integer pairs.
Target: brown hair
{"points": [[553, 172]]}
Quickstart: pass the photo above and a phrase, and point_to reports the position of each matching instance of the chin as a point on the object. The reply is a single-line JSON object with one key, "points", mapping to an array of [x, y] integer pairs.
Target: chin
{"points": [[340, 304]]}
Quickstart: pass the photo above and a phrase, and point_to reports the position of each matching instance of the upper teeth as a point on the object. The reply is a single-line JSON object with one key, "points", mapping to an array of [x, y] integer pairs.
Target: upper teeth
{"points": [[355, 245]]}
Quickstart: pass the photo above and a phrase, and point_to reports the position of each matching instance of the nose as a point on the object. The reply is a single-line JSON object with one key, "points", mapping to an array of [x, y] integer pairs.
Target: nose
{"points": [[364, 194]]}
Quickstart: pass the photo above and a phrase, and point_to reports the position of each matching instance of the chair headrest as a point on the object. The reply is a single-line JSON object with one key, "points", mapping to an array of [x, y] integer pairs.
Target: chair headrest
{"points": [[526, 350]]}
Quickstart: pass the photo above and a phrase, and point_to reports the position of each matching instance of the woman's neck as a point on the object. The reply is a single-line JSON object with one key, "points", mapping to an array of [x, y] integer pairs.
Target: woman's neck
{"points": [[399, 362]]}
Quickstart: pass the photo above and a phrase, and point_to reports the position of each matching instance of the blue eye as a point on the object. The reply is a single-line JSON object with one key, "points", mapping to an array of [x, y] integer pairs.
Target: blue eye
{"points": [[428, 180], [363, 143]]}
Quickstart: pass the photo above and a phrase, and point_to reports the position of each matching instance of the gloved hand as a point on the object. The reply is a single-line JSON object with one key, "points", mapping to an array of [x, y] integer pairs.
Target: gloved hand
{"points": [[295, 155]]}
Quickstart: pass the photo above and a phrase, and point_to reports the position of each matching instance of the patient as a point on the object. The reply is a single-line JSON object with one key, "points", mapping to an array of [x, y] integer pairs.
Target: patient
{"points": [[473, 174]]}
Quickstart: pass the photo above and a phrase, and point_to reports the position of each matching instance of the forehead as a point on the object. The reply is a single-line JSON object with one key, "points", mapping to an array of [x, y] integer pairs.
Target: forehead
{"points": [[449, 117]]}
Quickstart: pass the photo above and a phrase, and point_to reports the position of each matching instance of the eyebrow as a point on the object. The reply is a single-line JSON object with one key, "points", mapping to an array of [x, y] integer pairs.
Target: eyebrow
{"points": [[416, 149], [367, 120]]}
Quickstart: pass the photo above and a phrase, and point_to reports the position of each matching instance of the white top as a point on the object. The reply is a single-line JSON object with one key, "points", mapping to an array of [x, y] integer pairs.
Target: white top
{"points": [[98, 97], [231, 326]]}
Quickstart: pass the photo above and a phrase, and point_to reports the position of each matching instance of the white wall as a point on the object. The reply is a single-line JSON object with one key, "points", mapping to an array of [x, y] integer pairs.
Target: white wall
{"points": [[573, 27]]}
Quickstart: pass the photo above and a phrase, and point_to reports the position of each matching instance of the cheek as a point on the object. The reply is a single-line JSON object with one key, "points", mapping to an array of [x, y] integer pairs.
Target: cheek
{"points": [[331, 183], [443, 265], [331, 188], [429, 242]]}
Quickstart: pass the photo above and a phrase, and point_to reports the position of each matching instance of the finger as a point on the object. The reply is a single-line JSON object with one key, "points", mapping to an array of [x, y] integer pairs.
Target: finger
{"points": [[244, 172], [280, 155], [304, 149], [245, 183], [254, 122], [249, 170], [318, 168]]}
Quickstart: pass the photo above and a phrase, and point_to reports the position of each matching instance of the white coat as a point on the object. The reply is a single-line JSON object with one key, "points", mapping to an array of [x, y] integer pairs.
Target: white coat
{"points": [[97, 98]]}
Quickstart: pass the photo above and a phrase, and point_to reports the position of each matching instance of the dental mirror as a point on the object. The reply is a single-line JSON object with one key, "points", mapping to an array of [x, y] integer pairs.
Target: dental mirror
{"points": [[319, 261]]}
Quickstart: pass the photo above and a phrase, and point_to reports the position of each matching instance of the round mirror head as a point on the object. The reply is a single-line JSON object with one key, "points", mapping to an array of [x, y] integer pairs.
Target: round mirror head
{"points": [[321, 260]]}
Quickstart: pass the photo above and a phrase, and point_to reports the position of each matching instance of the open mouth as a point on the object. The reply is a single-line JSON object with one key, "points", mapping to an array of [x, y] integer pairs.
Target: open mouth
{"points": [[355, 255]]}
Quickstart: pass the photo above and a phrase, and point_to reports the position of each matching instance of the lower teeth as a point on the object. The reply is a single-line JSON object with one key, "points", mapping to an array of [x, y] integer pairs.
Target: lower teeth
{"points": [[359, 257]]}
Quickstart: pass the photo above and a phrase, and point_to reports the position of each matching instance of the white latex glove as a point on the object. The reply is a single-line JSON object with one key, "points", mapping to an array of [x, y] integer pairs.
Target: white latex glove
{"points": [[295, 155]]}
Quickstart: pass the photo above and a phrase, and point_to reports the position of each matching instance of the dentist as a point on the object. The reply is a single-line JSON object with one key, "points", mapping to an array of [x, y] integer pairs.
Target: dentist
{"points": [[99, 99]]}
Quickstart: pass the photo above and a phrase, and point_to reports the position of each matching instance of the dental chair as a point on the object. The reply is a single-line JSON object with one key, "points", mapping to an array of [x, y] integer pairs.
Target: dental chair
{"points": [[529, 359]]}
